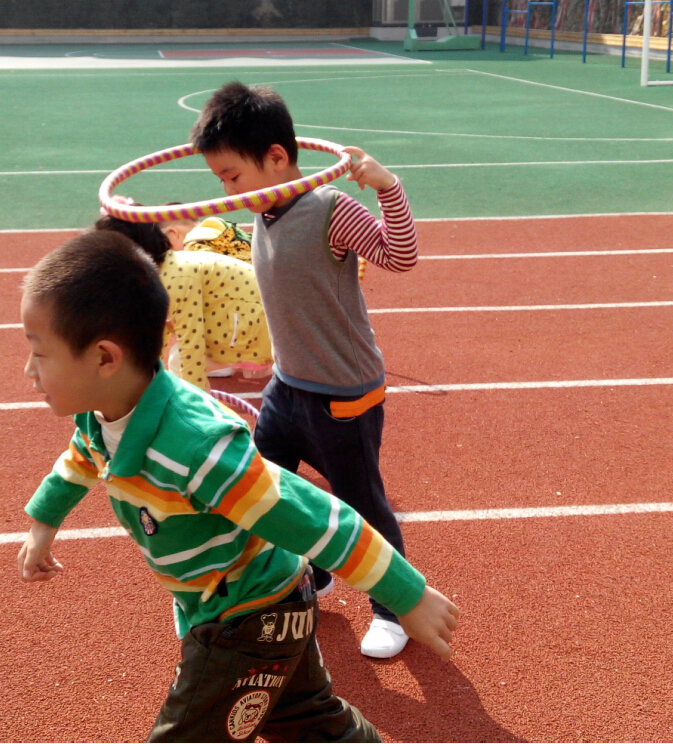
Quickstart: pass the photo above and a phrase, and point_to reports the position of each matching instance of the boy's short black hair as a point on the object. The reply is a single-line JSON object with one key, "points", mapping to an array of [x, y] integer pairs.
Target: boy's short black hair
{"points": [[247, 120], [147, 235], [100, 285]]}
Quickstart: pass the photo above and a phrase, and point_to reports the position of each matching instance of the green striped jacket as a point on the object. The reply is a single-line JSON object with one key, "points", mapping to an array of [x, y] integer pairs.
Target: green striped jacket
{"points": [[225, 531]]}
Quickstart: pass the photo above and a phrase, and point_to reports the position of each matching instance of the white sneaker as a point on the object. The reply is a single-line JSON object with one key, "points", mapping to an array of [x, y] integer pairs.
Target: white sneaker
{"points": [[383, 639], [221, 372]]}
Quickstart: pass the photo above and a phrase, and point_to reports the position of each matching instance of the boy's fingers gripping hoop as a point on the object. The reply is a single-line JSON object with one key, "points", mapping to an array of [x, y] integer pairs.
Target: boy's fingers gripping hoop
{"points": [[196, 210]]}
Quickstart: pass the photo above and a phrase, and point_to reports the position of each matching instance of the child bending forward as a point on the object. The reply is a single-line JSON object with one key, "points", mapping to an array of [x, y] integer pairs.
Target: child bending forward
{"points": [[226, 532], [217, 321]]}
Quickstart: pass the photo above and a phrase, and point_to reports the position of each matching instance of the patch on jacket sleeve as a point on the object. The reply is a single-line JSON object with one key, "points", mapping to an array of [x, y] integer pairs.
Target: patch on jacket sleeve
{"points": [[148, 522]]}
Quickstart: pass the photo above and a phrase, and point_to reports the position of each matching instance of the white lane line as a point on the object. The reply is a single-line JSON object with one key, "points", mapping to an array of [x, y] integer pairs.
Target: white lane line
{"points": [[540, 512], [451, 388], [23, 405], [81, 534], [15, 231], [466, 256], [534, 512], [547, 254], [571, 90], [517, 308], [482, 309], [458, 387], [502, 218]]}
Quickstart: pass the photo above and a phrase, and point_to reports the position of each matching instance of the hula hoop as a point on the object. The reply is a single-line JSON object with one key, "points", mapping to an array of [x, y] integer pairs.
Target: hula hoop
{"points": [[235, 402], [196, 210]]}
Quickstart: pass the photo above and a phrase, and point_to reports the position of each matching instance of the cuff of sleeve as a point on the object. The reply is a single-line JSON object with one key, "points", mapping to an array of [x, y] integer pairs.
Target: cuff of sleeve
{"points": [[40, 514], [391, 191], [401, 588]]}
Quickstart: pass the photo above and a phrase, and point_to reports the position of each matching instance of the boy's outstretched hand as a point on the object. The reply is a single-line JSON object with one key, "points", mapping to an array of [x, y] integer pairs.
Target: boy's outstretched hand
{"points": [[368, 172], [36, 561], [432, 621]]}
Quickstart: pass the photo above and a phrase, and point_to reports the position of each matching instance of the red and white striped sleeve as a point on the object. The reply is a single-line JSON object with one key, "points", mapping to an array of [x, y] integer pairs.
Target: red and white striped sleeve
{"points": [[390, 243]]}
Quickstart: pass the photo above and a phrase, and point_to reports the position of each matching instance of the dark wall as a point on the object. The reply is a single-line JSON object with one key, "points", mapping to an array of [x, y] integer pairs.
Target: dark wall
{"points": [[147, 14]]}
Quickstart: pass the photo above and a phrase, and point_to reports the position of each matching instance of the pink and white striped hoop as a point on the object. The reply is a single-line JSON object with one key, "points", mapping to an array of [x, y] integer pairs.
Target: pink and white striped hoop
{"points": [[196, 210], [233, 401]]}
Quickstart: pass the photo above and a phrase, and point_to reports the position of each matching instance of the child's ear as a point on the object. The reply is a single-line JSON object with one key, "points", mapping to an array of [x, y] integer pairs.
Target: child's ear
{"points": [[109, 357], [278, 157]]}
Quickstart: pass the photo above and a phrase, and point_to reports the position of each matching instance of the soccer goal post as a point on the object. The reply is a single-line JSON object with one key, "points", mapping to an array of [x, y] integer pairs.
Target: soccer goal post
{"points": [[645, 59]]}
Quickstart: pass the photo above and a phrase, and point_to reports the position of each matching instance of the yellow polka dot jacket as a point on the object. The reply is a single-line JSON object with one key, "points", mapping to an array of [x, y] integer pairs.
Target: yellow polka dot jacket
{"points": [[220, 236], [215, 312]]}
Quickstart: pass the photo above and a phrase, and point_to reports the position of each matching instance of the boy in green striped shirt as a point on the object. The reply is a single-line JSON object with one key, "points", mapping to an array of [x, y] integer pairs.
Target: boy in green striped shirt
{"points": [[226, 532]]}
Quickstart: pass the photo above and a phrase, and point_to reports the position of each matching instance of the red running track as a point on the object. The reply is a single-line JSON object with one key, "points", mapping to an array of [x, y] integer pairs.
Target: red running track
{"points": [[563, 634]]}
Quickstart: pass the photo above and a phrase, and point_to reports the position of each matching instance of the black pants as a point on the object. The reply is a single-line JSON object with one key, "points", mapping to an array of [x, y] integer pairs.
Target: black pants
{"points": [[259, 675], [296, 425]]}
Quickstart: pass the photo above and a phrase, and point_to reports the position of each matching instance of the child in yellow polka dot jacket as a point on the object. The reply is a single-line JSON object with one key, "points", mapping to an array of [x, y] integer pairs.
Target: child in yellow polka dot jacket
{"points": [[216, 318]]}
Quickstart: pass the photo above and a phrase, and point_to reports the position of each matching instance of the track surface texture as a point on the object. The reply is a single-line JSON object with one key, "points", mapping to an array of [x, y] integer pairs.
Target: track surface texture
{"points": [[561, 636]]}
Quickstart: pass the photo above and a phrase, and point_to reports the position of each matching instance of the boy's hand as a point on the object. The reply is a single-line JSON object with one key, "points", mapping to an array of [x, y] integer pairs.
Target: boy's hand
{"points": [[432, 621], [36, 561], [368, 172]]}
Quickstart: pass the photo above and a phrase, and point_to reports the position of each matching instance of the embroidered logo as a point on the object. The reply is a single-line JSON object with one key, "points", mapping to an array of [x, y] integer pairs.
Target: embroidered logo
{"points": [[268, 627], [299, 623], [246, 714], [148, 522]]}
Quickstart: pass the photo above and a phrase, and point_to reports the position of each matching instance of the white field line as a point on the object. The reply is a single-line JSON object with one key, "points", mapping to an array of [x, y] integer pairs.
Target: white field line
{"points": [[154, 171], [539, 512], [450, 388], [416, 166], [525, 163], [9, 326], [519, 218], [418, 133], [99, 63], [571, 90]]}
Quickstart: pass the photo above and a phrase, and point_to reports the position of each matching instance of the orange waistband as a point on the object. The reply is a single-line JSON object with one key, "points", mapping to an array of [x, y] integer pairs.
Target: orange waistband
{"points": [[351, 408]]}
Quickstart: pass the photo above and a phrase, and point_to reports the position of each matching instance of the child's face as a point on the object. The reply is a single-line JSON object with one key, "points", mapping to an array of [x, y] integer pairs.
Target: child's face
{"points": [[70, 384], [240, 175]]}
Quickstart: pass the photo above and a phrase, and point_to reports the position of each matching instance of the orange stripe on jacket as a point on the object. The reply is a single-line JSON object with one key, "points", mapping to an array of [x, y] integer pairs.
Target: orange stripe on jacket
{"points": [[369, 560], [258, 604], [247, 492], [359, 552], [80, 464]]}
